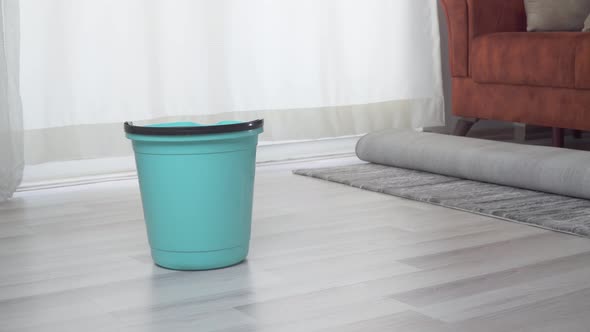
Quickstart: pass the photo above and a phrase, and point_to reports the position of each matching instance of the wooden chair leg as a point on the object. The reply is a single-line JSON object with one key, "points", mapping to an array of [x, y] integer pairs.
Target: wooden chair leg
{"points": [[463, 126], [558, 137], [577, 133]]}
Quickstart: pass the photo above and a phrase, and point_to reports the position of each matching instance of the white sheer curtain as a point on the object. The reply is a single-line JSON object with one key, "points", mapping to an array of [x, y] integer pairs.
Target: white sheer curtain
{"points": [[11, 127], [312, 68]]}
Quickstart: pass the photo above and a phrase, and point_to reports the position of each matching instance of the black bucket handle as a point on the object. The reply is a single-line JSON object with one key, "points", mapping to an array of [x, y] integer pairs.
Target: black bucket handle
{"points": [[130, 128]]}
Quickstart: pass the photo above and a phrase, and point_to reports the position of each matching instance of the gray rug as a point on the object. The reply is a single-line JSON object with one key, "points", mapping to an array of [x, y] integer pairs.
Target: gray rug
{"points": [[549, 211]]}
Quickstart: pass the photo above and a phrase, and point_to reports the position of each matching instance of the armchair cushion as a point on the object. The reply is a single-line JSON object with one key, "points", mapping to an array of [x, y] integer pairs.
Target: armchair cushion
{"points": [[552, 15], [550, 59]]}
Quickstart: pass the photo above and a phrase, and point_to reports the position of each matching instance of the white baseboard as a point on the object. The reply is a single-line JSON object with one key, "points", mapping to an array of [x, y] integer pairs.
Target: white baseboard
{"points": [[78, 172]]}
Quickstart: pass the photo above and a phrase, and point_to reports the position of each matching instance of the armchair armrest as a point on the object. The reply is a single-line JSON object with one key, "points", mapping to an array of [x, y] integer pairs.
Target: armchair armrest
{"points": [[458, 25], [468, 19]]}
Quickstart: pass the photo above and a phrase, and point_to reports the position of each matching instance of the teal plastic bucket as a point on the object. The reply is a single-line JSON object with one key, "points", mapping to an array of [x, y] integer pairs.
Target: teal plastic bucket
{"points": [[196, 186]]}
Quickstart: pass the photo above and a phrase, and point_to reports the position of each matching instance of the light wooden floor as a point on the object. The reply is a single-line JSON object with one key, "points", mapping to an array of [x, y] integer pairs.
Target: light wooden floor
{"points": [[324, 257]]}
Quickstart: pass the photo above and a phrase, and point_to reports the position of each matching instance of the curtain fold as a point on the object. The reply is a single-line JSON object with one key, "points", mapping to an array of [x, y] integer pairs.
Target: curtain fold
{"points": [[11, 123], [313, 68]]}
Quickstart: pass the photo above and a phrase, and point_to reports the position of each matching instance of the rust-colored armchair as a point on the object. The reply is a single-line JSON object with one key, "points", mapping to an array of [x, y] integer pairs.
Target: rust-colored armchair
{"points": [[501, 72]]}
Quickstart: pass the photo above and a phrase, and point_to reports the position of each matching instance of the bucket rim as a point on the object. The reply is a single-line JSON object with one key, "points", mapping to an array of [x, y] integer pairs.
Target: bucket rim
{"points": [[130, 128]]}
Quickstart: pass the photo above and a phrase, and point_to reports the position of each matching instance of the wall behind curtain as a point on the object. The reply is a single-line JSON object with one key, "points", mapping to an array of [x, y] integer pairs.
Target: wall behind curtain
{"points": [[312, 69]]}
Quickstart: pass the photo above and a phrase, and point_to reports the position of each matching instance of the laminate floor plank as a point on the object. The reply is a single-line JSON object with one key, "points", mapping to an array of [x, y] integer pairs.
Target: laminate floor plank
{"points": [[324, 257], [566, 313]]}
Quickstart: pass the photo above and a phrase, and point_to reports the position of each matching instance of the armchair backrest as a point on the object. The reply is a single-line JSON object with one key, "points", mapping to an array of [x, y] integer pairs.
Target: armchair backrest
{"points": [[468, 19], [489, 16]]}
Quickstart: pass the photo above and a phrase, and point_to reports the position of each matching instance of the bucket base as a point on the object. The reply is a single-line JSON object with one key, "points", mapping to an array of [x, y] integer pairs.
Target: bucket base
{"points": [[199, 260]]}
